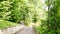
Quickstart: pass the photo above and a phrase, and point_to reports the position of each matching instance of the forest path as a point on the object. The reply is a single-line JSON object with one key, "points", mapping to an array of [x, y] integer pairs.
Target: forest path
{"points": [[27, 30]]}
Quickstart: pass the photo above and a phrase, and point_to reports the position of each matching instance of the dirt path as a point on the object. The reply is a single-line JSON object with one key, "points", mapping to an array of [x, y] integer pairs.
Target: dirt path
{"points": [[26, 30]]}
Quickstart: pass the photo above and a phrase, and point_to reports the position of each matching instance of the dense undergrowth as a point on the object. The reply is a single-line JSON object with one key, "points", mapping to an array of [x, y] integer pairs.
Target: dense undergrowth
{"points": [[45, 14]]}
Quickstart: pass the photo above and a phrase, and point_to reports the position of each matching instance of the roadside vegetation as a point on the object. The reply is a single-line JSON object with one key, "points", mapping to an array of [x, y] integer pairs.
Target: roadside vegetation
{"points": [[6, 24], [43, 13]]}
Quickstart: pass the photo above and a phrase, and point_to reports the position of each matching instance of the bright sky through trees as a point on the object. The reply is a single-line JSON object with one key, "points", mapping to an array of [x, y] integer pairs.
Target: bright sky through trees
{"points": [[44, 5]]}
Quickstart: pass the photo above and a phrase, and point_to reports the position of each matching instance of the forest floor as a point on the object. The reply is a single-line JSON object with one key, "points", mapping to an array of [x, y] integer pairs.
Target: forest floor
{"points": [[26, 30]]}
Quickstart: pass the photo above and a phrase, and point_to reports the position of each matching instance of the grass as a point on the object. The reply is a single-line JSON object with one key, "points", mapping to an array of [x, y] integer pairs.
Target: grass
{"points": [[5, 24]]}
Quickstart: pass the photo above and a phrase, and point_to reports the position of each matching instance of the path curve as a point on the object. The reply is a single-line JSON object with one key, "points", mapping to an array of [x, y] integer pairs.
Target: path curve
{"points": [[26, 30]]}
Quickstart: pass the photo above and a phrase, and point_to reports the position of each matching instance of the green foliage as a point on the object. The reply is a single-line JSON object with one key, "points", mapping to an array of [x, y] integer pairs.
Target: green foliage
{"points": [[19, 10], [32, 11], [5, 24], [4, 10], [51, 26]]}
